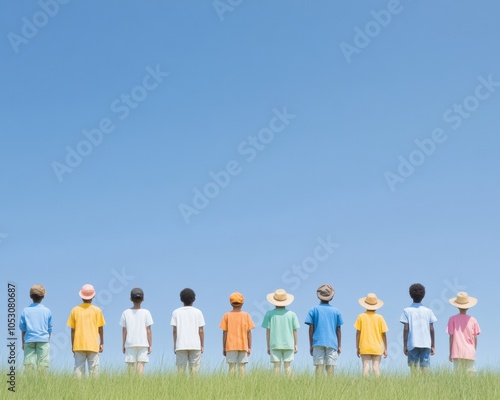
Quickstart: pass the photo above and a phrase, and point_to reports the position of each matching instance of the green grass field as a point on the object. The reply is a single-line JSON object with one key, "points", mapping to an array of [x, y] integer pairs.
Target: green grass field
{"points": [[258, 385]]}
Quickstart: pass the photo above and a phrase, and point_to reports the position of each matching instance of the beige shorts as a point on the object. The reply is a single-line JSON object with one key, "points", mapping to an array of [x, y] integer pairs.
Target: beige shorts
{"points": [[236, 357], [183, 357], [281, 355]]}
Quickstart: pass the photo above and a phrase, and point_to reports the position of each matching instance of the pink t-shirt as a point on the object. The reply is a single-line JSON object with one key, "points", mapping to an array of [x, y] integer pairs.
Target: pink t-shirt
{"points": [[464, 329]]}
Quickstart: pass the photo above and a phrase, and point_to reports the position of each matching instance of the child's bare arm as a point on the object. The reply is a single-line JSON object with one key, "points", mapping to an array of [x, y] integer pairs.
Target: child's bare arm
{"points": [[149, 333], [249, 339], [339, 339], [451, 345], [475, 341], [224, 340], [295, 341], [311, 333], [358, 334], [202, 338], [431, 328], [101, 339], [174, 333], [72, 339], [384, 339], [22, 338], [124, 338], [406, 329], [268, 340]]}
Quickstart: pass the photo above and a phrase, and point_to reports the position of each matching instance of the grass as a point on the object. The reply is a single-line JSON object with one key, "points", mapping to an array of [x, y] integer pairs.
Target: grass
{"points": [[261, 384]]}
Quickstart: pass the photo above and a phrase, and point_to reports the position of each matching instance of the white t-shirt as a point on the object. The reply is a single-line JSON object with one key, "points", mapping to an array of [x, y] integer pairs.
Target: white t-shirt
{"points": [[188, 321], [136, 322]]}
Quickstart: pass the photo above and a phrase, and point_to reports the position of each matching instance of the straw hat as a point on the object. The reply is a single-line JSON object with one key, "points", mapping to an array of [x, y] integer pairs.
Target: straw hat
{"points": [[371, 302], [325, 292], [463, 300], [280, 298]]}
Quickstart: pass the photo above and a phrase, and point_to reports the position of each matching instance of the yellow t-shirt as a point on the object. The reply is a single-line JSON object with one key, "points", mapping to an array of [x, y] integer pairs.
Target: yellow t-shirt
{"points": [[237, 324], [86, 319], [371, 326]]}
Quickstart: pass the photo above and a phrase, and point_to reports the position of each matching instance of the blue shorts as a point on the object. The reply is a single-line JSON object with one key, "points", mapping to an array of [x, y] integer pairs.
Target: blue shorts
{"points": [[419, 356]]}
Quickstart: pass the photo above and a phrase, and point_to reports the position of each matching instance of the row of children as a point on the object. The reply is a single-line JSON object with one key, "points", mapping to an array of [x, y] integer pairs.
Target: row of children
{"points": [[87, 336]]}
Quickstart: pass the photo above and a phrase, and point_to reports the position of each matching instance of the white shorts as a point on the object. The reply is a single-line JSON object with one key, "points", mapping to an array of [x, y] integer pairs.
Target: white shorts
{"points": [[136, 354], [236, 357], [325, 356]]}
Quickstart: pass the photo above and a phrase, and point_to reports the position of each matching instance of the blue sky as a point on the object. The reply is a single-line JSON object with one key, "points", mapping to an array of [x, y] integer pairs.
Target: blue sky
{"points": [[216, 145]]}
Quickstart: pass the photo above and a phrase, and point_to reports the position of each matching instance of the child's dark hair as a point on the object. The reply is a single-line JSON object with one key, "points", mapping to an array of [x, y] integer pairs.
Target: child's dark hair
{"points": [[36, 298], [417, 292], [188, 296]]}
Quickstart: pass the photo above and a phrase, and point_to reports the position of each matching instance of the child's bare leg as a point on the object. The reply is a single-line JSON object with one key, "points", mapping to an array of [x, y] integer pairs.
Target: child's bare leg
{"points": [[277, 368], [140, 368], [131, 368], [242, 368], [232, 368], [376, 365], [366, 364], [288, 368], [319, 369], [329, 369]]}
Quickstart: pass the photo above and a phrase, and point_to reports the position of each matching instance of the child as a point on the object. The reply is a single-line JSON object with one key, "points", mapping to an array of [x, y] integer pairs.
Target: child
{"points": [[188, 323], [281, 331], [87, 333], [137, 337], [418, 331], [463, 330], [324, 323], [237, 328], [371, 340], [36, 326]]}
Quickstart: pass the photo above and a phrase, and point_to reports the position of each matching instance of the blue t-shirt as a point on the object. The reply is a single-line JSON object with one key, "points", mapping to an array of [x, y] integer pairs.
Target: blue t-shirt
{"points": [[325, 319], [418, 319], [36, 321]]}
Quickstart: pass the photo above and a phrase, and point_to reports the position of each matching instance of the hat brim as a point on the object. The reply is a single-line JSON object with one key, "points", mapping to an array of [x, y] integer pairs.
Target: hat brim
{"points": [[284, 303], [325, 298], [471, 303], [362, 302], [86, 297]]}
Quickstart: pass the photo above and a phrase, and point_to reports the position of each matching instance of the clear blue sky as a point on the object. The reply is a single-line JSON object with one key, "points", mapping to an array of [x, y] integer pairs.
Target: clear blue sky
{"points": [[198, 144]]}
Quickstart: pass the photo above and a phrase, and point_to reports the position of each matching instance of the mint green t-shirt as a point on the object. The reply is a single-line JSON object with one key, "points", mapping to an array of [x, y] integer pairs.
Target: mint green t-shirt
{"points": [[281, 323]]}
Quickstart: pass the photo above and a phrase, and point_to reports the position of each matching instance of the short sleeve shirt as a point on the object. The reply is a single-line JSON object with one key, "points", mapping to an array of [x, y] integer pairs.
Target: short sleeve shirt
{"points": [[281, 324], [464, 329], [419, 319], [188, 320], [371, 327], [36, 322], [86, 319], [237, 324], [325, 320], [136, 323]]}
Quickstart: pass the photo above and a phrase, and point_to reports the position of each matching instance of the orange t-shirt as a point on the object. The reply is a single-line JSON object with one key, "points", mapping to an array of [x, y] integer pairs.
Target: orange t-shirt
{"points": [[236, 324]]}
